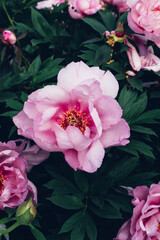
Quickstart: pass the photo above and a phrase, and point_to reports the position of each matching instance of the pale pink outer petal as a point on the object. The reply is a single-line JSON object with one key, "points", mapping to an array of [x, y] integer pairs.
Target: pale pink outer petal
{"points": [[137, 212], [124, 231], [79, 73], [34, 156], [53, 94], [32, 191], [109, 85], [71, 157], [45, 4], [74, 14], [109, 111], [131, 3], [151, 226], [73, 75], [91, 159], [25, 129], [96, 120], [80, 142], [117, 135]]}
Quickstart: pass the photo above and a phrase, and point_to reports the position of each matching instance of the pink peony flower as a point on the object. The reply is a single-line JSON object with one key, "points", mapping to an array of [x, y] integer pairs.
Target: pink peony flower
{"points": [[122, 6], [49, 4], [79, 116], [145, 59], [14, 185], [9, 37], [80, 8], [144, 18], [145, 221]]}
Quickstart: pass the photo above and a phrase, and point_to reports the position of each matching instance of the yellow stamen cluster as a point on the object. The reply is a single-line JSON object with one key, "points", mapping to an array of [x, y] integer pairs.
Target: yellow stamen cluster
{"points": [[111, 42], [74, 117], [158, 229]]}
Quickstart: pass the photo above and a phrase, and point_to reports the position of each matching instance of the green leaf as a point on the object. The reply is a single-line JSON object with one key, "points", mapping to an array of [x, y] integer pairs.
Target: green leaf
{"points": [[6, 220], [81, 181], [61, 186], [136, 83], [123, 168], [42, 26], [103, 55], [90, 227], [142, 129], [148, 117], [139, 179], [24, 97], [67, 201], [9, 114], [142, 148], [116, 66], [35, 65], [71, 222], [108, 20], [95, 24], [37, 234], [107, 211], [78, 233], [119, 202], [14, 104]]}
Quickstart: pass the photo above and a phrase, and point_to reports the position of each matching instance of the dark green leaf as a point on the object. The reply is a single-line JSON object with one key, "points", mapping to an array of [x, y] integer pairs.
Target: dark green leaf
{"points": [[81, 181], [37, 234], [90, 227], [67, 201], [95, 24], [71, 222], [102, 55]]}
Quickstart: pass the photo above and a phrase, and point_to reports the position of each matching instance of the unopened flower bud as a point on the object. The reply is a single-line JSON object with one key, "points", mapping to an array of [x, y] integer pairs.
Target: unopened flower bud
{"points": [[26, 212], [120, 32], [9, 37]]}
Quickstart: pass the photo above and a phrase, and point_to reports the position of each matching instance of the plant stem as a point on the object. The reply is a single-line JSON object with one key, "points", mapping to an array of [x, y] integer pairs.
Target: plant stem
{"points": [[9, 18], [11, 228]]}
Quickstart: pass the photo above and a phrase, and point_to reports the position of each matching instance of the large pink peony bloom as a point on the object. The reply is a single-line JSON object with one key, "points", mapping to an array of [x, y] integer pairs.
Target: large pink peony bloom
{"points": [[144, 18], [122, 6], [49, 4], [79, 116], [14, 185], [80, 8], [145, 222]]}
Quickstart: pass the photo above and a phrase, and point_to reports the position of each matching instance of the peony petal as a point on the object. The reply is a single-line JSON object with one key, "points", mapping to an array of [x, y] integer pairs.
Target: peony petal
{"points": [[80, 142], [71, 157], [117, 135], [124, 232], [109, 85], [91, 159]]}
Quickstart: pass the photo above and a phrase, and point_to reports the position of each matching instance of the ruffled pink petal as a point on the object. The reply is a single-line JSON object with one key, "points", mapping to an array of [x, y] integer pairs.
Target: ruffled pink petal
{"points": [[71, 157], [80, 142], [109, 112], [117, 135], [140, 193], [91, 159], [32, 191], [63, 140], [73, 75]]}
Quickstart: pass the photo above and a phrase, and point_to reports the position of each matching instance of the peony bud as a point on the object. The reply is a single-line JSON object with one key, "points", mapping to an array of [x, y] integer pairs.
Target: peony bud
{"points": [[9, 37], [120, 32], [26, 212]]}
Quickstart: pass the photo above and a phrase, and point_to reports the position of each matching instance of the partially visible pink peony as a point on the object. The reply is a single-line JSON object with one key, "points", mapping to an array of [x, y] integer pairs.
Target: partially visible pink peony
{"points": [[14, 185], [79, 116], [80, 8], [122, 6], [49, 4], [32, 154], [9, 37], [145, 59], [145, 221], [144, 18]]}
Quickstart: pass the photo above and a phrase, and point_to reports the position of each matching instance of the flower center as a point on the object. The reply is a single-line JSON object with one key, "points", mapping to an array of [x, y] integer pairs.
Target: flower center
{"points": [[74, 117], [2, 186], [156, 9], [158, 228]]}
